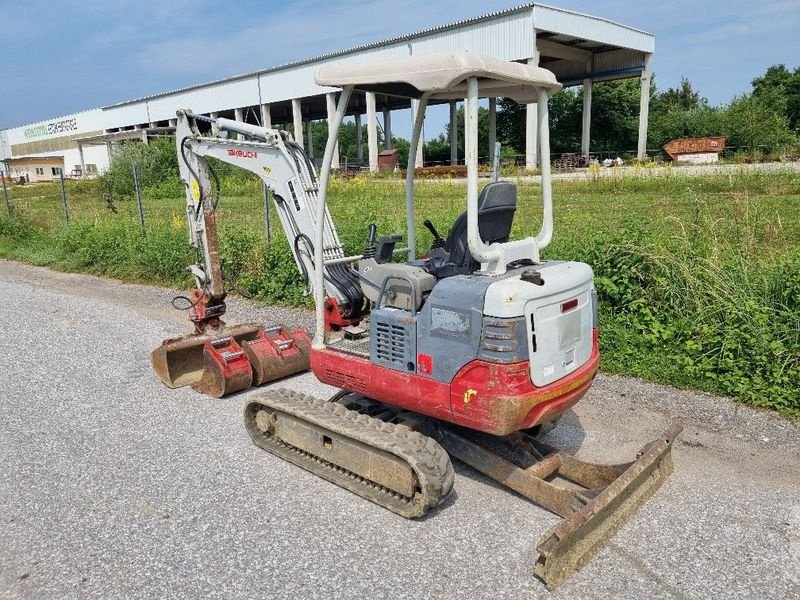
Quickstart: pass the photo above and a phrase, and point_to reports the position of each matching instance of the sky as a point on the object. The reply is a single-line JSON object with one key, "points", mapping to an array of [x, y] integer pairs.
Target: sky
{"points": [[63, 57]]}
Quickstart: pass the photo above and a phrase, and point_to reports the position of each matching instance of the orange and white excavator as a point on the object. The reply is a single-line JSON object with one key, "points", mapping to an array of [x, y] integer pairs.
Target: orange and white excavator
{"points": [[471, 351]]}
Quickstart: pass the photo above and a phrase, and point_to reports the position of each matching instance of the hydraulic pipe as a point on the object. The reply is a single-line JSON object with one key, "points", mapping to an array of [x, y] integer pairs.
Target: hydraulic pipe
{"points": [[243, 128]]}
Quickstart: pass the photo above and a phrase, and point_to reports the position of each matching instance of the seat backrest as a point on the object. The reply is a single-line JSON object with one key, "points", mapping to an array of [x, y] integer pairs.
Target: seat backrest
{"points": [[496, 206]]}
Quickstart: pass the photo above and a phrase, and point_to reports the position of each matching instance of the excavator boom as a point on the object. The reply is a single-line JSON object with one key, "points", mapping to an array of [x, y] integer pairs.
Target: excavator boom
{"points": [[219, 359]]}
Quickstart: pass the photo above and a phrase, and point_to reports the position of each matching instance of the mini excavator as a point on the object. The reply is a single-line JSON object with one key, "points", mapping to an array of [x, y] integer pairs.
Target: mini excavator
{"points": [[470, 351]]}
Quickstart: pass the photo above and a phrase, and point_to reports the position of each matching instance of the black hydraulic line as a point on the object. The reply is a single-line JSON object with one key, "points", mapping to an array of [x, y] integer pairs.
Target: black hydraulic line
{"points": [[309, 254], [293, 149], [189, 304], [306, 159], [216, 182], [354, 284], [354, 295], [343, 281]]}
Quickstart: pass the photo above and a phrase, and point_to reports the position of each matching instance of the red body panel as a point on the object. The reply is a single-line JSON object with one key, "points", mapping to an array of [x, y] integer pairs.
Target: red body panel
{"points": [[491, 397]]}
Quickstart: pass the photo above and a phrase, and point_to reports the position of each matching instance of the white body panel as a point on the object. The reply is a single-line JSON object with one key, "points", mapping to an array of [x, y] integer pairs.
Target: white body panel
{"points": [[559, 340], [508, 297]]}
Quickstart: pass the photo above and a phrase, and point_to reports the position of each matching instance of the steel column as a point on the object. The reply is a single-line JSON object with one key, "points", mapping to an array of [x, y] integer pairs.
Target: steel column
{"points": [[453, 132], [330, 103], [239, 116], [492, 128], [418, 159], [644, 106], [387, 128], [266, 116], [372, 133], [531, 121], [586, 122], [359, 142], [297, 118]]}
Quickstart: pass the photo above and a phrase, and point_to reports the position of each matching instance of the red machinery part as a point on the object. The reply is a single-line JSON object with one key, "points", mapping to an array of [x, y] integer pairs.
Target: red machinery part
{"points": [[491, 397], [226, 368], [276, 353], [334, 320]]}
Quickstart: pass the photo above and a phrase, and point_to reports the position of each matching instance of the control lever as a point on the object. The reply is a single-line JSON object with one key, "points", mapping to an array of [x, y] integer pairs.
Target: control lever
{"points": [[438, 240], [369, 249]]}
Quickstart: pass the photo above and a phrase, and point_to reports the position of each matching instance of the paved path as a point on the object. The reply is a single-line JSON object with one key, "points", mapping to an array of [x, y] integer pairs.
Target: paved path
{"points": [[112, 486]]}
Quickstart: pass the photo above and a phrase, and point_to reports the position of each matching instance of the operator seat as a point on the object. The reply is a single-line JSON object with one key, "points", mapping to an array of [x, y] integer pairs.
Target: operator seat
{"points": [[496, 206]]}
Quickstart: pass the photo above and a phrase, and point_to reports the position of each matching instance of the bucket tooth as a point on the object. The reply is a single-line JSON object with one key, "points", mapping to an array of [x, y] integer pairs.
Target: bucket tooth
{"points": [[226, 368], [276, 353]]}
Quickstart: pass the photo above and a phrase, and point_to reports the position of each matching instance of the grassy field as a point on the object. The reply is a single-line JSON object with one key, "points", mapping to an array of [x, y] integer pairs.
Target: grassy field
{"points": [[699, 277]]}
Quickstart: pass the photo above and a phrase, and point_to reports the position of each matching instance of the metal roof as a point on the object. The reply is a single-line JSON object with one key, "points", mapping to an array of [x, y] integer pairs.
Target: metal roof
{"points": [[389, 41]]}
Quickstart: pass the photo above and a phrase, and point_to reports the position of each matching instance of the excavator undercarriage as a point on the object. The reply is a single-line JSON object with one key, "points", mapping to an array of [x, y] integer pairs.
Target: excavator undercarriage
{"points": [[401, 461]]}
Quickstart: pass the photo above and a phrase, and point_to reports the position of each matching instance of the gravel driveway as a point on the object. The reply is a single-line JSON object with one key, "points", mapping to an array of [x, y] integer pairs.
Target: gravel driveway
{"points": [[113, 486]]}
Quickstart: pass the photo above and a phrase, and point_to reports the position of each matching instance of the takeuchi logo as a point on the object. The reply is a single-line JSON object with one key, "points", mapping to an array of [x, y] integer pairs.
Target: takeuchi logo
{"points": [[53, 128], [243, 153]]}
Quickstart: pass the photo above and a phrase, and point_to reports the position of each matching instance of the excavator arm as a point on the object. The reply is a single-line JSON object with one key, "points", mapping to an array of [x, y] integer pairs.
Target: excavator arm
{"points": [[219, 359], [289, 176]]}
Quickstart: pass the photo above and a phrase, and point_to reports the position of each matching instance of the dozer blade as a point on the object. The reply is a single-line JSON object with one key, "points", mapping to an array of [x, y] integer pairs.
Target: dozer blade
{"points": [[231, 358], [391, 465], [595, 500]]}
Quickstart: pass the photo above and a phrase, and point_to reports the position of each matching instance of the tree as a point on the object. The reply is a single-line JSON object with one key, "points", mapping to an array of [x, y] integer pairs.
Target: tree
{"points": [[684, 97], [615, 114], [566, 108], [483, 135], [753, 121], [401, 145], [679, 123], [437, 150], [781, 87], [511, 124]]}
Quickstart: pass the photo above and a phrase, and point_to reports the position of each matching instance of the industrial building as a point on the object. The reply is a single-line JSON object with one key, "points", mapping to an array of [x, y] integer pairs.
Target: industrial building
{"points": [[580, 50]]}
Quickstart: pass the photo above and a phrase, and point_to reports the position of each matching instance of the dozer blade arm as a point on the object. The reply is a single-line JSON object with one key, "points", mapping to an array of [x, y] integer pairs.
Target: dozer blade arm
{"points": [[596, 503]]}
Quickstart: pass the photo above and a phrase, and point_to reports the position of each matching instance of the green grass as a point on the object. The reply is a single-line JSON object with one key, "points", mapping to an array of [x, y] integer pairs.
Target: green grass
{"points": [[699, 277]]}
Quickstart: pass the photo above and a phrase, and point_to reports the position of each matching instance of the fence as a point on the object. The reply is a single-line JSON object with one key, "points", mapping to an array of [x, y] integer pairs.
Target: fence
{"points": [[49, 205]]}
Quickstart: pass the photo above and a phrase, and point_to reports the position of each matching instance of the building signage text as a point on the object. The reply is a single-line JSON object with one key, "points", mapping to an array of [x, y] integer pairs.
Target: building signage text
{"points": [[52, 128]]}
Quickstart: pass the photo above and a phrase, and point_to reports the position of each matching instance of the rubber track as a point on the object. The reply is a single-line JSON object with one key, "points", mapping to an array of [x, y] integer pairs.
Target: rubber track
{"points": [[427, 459]]}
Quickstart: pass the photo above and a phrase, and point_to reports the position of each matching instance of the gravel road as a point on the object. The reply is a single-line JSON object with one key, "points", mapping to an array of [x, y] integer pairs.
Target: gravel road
{"points": [[112, 486]]}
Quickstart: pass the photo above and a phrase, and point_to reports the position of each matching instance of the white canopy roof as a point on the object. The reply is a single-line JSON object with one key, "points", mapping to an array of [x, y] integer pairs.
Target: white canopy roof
{"points": [[443, 75]]}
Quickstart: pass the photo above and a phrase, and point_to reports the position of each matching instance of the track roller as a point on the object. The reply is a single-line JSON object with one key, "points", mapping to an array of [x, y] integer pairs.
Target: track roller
{"points": [[389, 464]]}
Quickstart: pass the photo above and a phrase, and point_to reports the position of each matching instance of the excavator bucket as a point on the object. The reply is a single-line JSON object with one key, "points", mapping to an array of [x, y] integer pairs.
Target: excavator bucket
{"points": [[276, 353], [231, 358], [595, 500]]}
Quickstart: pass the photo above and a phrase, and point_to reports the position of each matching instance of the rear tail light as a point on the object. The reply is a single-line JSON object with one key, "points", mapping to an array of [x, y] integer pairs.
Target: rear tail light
{"points": [[569, 305]]}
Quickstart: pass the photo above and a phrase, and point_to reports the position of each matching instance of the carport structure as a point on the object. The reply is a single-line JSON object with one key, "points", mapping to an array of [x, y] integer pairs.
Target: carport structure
{"points": [[580, 49]]}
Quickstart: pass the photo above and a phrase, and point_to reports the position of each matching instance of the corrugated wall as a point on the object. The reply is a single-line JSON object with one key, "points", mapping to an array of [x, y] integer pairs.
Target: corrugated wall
{"points": [[509, 37]]}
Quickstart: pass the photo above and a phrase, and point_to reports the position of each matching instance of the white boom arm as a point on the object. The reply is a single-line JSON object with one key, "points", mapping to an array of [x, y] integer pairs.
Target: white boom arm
{"points": [[291, 179]]}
